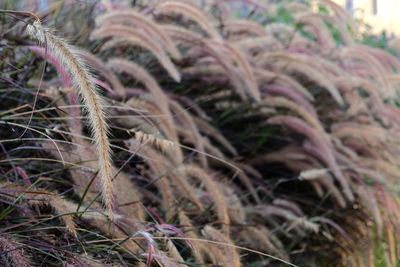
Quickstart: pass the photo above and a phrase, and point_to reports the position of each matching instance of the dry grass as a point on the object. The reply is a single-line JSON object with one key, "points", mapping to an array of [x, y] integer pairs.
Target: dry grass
{"points": [[242, 134]]}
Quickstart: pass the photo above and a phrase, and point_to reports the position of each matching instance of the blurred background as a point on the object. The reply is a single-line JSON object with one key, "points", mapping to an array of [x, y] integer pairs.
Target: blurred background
{"points": [[382, 15]]}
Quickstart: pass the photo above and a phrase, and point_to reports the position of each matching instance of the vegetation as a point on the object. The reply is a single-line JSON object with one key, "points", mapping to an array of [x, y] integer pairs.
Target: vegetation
{"points": [[196, 133]]}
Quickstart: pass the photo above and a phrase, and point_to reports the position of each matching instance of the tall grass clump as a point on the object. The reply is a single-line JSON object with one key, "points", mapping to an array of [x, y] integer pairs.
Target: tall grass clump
{"points": [[218, 133]]}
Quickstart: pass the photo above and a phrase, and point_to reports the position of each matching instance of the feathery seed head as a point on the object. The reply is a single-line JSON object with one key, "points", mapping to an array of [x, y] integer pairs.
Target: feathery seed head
{"points": [[36, 31]]}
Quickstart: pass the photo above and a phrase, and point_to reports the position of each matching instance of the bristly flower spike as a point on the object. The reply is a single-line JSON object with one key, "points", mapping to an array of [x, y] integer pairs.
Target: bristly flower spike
{"points": [[82, 80]]}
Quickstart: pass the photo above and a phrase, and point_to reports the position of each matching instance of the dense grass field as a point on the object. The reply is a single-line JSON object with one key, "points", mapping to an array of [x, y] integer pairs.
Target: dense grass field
{"points": [[197, 133]]}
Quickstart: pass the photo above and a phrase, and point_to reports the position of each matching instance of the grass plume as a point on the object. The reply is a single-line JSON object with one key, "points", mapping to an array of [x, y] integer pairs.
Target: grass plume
{"points": [[83, 82]]}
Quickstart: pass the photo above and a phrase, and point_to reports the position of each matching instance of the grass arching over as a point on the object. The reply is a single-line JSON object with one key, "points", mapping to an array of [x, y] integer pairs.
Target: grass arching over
{"points": [[242, 134]]}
